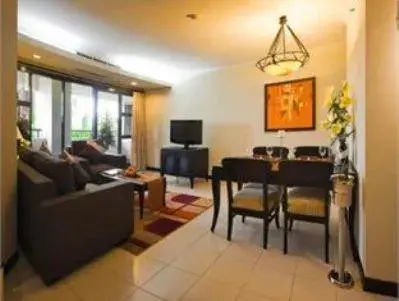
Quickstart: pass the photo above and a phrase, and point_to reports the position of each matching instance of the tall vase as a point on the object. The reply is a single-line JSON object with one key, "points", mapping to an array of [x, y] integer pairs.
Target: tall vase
{"points": [[342, 198], [342, 164]]}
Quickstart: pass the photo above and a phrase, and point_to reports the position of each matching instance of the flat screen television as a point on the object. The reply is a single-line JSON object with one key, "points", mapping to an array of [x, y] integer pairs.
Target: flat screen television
{"points": [[186, 132]]}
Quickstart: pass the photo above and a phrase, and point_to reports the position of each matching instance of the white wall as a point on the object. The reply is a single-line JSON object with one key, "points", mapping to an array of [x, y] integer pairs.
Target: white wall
{"points": [[230, 102], [372, 66]]}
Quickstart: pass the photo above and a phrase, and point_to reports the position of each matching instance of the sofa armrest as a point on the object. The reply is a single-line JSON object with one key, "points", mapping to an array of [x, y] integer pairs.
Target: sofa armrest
{"points": [[119, 161], [80, 226]]}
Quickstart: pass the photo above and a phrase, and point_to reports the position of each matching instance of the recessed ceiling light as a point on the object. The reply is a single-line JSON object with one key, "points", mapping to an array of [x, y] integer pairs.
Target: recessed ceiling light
{"points": [[134, 83], [36, 56], [192, 16], [111, 89], [23, 68]]}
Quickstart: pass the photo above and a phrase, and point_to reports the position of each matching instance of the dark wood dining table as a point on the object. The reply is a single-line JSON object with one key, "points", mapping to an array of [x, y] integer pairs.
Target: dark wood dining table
{"points": [[218, 175]]}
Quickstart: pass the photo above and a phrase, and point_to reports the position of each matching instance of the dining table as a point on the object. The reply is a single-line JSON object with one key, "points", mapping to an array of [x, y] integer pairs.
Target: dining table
{"points": [[218, 175]]}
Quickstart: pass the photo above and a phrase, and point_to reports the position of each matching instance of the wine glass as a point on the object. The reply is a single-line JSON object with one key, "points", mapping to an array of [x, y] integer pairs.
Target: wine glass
{"points": [[322, 151], [269, 151]]}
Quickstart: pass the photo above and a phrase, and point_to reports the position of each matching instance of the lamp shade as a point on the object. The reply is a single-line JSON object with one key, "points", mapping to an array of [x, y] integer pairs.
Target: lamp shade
{"points": [[283, 57]]}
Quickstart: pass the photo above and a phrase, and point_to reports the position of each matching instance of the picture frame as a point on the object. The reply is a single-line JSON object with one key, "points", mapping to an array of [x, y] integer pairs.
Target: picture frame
{"points": [[290, 105]]}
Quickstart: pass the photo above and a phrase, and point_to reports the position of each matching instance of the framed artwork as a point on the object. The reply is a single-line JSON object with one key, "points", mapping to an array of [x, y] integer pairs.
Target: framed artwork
{"points": [[290, 105]]}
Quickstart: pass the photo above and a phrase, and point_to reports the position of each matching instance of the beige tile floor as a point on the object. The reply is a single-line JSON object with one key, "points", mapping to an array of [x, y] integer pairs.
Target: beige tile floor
{"points": [[195, 264]]}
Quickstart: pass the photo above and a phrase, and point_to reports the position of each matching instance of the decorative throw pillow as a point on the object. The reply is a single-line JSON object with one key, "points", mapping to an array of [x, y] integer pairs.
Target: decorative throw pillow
{"points": [[80, 174], [56, 169], [91, 154], [44, 148], [26, 154], [96, 145]]}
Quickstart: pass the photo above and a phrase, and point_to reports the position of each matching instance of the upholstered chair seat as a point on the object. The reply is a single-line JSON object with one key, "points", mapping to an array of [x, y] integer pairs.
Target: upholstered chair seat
{"points": [[306, 201], [252, 198]]}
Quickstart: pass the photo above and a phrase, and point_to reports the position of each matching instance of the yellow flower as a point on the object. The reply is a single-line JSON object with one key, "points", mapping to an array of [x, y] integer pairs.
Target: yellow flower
{"points": [[336, 129], [345, 102], [345, 88], [325, 124], [329, 97], [349, 118]]}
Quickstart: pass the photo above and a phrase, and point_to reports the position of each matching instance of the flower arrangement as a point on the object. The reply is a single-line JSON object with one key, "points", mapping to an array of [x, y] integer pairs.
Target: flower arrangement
{"points": [[339, 118]]}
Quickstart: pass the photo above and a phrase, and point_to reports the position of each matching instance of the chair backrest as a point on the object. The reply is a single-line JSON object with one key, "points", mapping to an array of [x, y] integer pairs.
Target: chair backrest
{"points": [[245, 170], [306, 173], [278, 151], [308, 151]]}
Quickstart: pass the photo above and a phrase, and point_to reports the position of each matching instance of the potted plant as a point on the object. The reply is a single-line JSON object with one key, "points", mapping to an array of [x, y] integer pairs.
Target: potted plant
{"points": [[339, 122], [106, 133]]}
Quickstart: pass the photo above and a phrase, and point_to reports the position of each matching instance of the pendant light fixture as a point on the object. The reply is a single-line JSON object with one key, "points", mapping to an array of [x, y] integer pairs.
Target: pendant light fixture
{"points": [[284, 58]]}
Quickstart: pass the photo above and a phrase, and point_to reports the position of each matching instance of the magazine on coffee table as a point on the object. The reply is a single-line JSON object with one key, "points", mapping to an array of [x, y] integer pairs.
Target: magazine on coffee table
{"points": [[113, 172]]}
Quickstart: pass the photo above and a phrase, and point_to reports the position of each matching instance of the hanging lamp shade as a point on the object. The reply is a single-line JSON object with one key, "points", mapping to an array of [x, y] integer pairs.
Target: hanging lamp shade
{"points": [[283, 58]]}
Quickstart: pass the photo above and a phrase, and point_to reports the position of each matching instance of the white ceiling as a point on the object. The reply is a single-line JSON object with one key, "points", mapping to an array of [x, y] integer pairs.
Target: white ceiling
{"points": [[153, 37]]}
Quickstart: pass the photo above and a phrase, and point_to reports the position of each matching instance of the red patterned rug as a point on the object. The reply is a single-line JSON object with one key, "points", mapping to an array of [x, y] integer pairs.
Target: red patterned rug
{"points": [[179, 210]]}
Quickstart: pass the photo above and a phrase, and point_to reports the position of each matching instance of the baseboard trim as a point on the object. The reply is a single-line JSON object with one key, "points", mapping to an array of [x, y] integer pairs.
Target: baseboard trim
{"points": [[152, 168], [382, 287], [10, 263]]}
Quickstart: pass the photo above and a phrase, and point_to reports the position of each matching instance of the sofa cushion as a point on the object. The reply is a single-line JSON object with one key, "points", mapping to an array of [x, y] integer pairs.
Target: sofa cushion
{"points": [[57, 170], [44, 148], [91, 154], [81, 176]]}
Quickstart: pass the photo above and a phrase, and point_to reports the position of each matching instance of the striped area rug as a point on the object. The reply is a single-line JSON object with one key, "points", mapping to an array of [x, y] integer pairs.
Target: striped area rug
{"points": [[179, 210]]}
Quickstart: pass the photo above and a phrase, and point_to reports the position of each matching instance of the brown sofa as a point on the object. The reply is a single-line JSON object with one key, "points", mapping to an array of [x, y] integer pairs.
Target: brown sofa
{"points": [[61, 232], [95, 167]]}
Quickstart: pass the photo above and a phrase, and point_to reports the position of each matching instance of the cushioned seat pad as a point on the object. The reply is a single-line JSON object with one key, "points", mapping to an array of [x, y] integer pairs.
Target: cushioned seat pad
{"points": [[252, 198], [306, 201]]}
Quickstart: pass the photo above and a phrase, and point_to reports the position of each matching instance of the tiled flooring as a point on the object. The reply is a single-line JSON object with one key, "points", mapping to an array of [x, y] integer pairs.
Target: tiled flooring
{"points": [[194, 264]]}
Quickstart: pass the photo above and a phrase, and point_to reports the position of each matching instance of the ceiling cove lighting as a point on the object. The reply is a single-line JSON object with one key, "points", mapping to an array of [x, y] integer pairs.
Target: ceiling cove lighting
{"points": [[149, 68], [48, 33], [284, 57]]}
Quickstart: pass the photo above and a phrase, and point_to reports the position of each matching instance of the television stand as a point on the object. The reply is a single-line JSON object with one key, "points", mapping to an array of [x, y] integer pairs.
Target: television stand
{"points": [[185, 162]]}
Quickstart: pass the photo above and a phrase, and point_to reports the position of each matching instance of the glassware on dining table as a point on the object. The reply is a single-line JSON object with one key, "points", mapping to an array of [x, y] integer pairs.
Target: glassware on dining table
{"points": [[269, 151], [323, 151]]}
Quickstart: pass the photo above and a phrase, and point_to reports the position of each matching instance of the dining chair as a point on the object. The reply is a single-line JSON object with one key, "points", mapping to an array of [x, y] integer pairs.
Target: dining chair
{"points": [[308, 151], [259, 203], [306, 194], [278, 151]]}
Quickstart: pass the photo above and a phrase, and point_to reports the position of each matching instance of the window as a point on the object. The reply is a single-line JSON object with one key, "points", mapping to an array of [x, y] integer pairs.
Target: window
{"points": [[24, 104], [79, 112], [51, 109], [107, 120], [126, 125]]}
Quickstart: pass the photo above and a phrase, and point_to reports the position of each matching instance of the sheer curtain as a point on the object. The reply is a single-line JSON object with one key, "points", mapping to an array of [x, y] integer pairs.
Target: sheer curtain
{"points": [[139, 141]]}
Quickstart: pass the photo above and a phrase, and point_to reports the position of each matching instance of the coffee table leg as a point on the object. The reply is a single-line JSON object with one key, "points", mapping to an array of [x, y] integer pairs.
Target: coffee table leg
{"points": [[141, 200]]}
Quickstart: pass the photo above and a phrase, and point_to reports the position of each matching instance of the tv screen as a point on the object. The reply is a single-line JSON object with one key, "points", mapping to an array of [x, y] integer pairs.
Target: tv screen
{"points": [[186, 132]]}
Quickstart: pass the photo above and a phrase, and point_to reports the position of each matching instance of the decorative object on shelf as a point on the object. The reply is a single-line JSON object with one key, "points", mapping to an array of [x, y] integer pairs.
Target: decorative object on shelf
{"points": [[281, 135], [339, 122], [130, 172], [290, 105], [286, 54]]}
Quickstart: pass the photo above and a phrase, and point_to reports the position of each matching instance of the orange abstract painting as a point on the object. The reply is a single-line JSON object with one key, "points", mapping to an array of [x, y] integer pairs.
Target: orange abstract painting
{"points": [[290, 105]]}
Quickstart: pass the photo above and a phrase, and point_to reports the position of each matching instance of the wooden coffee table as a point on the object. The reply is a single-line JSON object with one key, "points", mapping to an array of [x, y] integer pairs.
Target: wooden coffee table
{"points": [[140, 183]]}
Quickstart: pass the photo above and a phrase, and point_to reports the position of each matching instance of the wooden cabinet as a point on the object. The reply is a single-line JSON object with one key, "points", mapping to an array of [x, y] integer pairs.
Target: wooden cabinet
{"points": [[188, 163]]}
